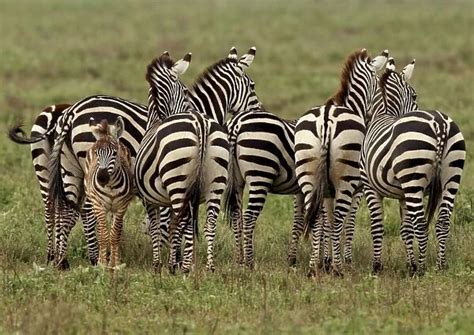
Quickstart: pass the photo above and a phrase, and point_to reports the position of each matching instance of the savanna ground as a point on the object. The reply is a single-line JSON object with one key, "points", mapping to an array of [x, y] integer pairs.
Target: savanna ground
{"points": [[55, 51]]}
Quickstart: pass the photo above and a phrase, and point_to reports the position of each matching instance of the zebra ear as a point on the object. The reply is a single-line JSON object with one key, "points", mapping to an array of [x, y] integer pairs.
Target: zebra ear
{"points": [[181, 65], [232, 54], [95, 129], [407, 71], [246, 60], [118, 129], [379, 61]]}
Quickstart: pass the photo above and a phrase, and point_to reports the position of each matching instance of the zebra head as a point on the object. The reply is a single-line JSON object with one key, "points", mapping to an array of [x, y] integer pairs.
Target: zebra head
{"points": [[244, 97], [225, 87], [399, 96], [359, 82], [167, 94], [107, 150]]}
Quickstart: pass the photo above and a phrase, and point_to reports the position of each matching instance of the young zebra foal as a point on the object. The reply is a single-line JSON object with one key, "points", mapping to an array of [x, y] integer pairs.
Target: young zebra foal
{"points": [[108, 184]]}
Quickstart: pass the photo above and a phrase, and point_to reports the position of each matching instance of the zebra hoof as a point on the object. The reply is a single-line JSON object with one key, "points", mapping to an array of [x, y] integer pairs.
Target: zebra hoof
{"points": [[412, 269], [211, 268], [50, 258], [421, 270], [172, 268], [441, 266], [337, 272], [93, 261], [157, 267], [348, 260], [377, 267], [327, 264], [311, 273], [292, 262], [63, 264]]}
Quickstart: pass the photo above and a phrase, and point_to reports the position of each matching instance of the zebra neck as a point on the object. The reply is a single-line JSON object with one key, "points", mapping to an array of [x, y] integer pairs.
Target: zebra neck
{"points": [[210, 102]]}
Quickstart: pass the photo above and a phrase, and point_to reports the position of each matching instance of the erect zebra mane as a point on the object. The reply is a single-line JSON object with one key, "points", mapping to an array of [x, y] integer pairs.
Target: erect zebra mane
{"points": [[384, 80], [103, 128], [163, 60], [339, 97], [210, 69]]}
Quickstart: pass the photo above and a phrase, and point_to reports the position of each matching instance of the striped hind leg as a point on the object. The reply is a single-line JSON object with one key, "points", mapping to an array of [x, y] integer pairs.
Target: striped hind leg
{"points": [[407, 235], [188, 235], [416, 213], [237, 226], [153, 217], [316, 239], [442, 232], [89, 223], [327, 220], [65, 220], [297, 229], [349, 227], [49, 219], [257, 195], [375, 204]]}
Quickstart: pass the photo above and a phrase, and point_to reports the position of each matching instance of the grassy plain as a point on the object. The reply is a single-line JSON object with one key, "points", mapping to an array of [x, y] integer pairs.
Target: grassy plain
{"points": [[54, 51]]}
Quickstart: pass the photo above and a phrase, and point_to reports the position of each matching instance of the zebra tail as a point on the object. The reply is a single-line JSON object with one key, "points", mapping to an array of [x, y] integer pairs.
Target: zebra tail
{"points": [[436, 188], [17, 135], [192, 197], [317, 196], [57, 194]]}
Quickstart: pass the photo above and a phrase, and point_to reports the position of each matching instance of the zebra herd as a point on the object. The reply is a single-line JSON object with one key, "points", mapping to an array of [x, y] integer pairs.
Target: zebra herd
{"points": [[214, 140]]}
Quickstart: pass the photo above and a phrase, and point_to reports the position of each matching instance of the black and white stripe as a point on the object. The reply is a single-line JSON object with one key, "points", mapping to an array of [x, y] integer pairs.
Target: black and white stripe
{"points": [[328, 140], [262, 157], [41, 140], [183, 160], [406, 154]]}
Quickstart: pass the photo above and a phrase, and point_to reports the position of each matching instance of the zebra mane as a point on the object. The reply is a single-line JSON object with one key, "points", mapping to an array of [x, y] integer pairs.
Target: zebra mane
{"points": [[339, 97], [384, 79], [103, 128], [210, 69], [164, 60]]}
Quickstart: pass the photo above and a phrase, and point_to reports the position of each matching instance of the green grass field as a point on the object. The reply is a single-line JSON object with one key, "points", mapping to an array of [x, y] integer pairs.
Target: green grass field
{"points": [[54, 51]]}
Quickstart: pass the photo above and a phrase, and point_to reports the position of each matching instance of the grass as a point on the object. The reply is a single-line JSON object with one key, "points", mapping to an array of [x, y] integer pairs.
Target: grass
{"points": [[55, 51]]}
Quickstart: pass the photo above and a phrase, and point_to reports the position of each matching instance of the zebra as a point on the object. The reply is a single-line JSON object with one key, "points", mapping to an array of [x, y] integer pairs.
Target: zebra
{"points": [[40, 153], [183, 160], [108, 184], [262, 157], [406, 154], [328, 140]]}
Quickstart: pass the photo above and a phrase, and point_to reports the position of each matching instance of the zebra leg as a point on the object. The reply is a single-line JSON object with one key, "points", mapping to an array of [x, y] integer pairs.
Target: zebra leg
{"points": [[257, 196], [188, 253], [375, 204], [327, 222], [103, 235], [407, 235], [297, 230], [349, 227], [66, 219], [213, 209], [176, 231], [50, 224], [155, 234], [89, 223], [316, 239], [442, 232], [115, 236], [237, 228], [415, 210]]}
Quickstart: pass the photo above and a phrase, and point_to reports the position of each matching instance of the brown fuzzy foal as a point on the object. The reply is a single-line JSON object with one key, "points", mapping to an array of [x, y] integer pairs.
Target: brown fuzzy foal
{"points": [[109, 185]]}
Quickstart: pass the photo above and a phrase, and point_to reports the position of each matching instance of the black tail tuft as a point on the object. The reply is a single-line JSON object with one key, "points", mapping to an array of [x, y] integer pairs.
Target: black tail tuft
{"points": [[17, 135]]}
